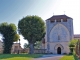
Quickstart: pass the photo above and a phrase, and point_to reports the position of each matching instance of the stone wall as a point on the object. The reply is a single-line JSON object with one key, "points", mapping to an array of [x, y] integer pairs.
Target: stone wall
{"points": [[40, 51]]}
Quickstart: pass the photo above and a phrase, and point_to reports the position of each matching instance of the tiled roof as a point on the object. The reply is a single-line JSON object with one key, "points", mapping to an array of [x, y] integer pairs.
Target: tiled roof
{"points": [[57, 17], [77, 36]]}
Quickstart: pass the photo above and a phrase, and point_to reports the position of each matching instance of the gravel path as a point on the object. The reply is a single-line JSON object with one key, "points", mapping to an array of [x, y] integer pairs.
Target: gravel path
{"points": [[50, 57]]}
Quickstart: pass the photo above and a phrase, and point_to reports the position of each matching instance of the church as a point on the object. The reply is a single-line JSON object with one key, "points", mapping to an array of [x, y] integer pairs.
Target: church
{"points": [[59, 32]]}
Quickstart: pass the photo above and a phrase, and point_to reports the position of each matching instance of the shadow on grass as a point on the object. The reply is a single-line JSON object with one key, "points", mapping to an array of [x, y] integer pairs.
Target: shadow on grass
{"points": [[4, 56]]}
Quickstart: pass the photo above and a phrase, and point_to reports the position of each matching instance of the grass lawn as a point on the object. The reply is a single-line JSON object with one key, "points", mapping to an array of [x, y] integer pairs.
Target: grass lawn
{"points": [[19, 56], [69, 57]]}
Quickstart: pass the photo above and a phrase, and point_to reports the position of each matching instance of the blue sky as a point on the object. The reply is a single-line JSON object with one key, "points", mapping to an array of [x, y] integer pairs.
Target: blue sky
{"points": [[12, 11]]}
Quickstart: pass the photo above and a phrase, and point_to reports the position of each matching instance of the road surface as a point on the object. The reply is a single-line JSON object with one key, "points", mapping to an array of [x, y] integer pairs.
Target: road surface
{"points": [[49, 57]]}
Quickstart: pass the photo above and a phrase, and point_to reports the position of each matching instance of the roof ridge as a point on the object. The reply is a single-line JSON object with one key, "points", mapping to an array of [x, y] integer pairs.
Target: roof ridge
{"points": [[59, 17]]}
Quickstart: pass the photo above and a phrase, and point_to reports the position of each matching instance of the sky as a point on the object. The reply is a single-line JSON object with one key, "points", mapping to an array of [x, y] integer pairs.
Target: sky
{"points": [[12, 11]]}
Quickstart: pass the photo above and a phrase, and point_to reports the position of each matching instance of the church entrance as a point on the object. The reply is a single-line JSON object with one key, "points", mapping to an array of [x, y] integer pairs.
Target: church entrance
{"points": [[58, 50]]}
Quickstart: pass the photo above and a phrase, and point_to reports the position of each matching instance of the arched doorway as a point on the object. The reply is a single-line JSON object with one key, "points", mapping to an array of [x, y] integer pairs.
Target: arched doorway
{"points": [[58, 50]]}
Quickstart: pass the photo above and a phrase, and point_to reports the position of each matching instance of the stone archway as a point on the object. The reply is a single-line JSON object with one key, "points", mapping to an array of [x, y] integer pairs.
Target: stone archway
{"points": [[58, 50]]}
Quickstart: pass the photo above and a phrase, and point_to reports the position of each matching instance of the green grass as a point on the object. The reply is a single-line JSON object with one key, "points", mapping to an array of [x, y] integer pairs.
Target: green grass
{"points": [[75, 57], [19, 56], [70, 57], [67, 57]]}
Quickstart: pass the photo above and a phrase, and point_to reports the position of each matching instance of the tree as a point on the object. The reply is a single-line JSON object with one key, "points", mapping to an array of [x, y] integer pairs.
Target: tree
{"points": [[16, 37], [9, 32], [37, 44], [77, 48], [72, 45], [32, 28], [26, 45]]}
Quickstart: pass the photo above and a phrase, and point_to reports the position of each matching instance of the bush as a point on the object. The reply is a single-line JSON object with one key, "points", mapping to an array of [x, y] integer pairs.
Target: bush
{"points": [[71, 50], [64, 53], [70, 53]]}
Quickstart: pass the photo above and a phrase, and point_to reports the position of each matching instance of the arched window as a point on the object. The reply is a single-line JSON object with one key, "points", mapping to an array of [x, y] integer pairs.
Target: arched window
{"points": [[58, 37]]}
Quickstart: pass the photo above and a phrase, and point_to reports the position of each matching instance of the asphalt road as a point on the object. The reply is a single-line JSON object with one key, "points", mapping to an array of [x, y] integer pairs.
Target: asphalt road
{"points": [[50, 57]]}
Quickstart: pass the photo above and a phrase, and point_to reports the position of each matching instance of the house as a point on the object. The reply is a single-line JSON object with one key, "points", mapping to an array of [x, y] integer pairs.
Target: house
{"points": [[1, 47], [15, 48], [77, 36]]}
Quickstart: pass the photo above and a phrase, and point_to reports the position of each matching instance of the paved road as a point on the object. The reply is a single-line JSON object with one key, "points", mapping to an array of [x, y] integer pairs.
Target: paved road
{"points": [[50, 57]]}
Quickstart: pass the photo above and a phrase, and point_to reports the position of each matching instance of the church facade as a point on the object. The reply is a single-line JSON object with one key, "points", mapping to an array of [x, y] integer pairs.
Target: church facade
{"points": [[59, 31]]}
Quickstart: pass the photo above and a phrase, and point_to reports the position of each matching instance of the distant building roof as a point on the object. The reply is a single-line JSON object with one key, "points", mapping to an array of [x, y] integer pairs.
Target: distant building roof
{"points": [[59, 17], [77, 36]]}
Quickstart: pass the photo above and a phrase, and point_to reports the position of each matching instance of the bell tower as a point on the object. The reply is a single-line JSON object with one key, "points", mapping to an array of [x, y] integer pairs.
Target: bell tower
{"points": [[59, 31]]}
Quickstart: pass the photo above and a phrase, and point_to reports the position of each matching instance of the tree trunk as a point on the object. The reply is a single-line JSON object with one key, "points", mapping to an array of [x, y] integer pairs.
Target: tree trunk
{"points": [[31, 51]]}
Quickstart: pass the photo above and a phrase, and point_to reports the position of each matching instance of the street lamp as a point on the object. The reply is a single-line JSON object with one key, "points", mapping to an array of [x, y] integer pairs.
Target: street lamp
{"points": [[19, 47]]}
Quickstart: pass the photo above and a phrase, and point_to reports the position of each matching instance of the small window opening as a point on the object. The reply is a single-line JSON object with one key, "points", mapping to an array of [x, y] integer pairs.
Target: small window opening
{"points": [[58, 20], [65, 20], [52, 21], [58, 37], [61, 20]]}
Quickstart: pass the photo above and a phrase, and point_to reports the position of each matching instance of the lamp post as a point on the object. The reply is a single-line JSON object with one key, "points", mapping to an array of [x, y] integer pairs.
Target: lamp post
{"points": [[19, 41], [19, 47]]}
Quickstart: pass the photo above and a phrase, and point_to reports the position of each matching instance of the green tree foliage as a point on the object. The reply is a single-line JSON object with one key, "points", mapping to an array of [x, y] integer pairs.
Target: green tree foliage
{"points": [[26, 45], [37, 44], [32, 28], [8, 31], [77, 50], [16, 37], [79, 46], [72, 45]]}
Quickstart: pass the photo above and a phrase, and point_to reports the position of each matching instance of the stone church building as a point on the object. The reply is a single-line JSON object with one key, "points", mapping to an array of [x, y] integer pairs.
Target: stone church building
{"points": [[59, 31]]}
